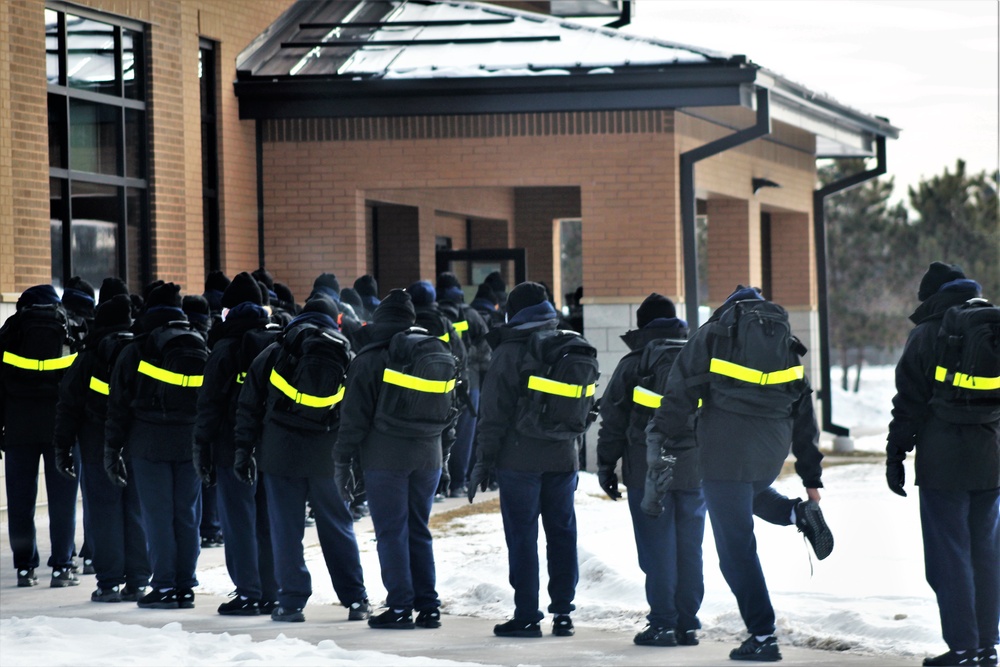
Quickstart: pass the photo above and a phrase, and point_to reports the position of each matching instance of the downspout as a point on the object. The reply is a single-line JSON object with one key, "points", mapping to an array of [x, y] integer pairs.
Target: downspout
{"points": [[260, 192], [819, 233], [624, 18], [761, 128]]}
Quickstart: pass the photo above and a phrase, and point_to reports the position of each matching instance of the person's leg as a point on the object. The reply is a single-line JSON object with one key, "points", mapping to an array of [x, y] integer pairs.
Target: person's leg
{"points": [[689, 522], [388, 500], [422, 484], [87, 548], [104, 520], [238, 518], [21, 476], [984, 527], [154, 482], [944, 521], [773, 507], [265, 553], [461, 451], [335, 528], [653, 538], [137, 565], [730, 506], [559, 523], [61, 494], [520, 507], [187, 492], [210, 523], [286, 502]]}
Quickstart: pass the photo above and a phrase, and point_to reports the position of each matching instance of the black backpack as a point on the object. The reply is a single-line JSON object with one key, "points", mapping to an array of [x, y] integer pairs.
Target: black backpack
{"points": [[655, 361], [171, 369], [105, 357], [37, 351], [967, 373], [417, 397], [307, 380], [755, 366], [558, 376], [253, 342]]}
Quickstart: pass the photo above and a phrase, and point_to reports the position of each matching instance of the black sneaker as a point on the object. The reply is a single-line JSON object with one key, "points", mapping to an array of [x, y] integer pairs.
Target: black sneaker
{"points": [[392, 619], [185, 598], [656, 635], [516, 628], [954, 658], [988, 656], [429, 618], [359, 611], [267, 606], [63, 577], [130, 594], [88, 566], [751, 649], [240, 605], [460, 492], [212, 542], [106, 595], [562, 626], [288, 614], [687, 638], [26, 578], [157, 599], [809, 521]]}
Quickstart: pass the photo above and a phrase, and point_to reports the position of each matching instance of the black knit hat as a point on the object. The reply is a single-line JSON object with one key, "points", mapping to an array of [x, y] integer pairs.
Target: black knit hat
{"points": [[496, 282], [397, 306], [216, 280], [114, 313], [242, 288], [422, 293], [655, 306], [350, 296], [484, 292], [265, 293], [447, 280], [284, 293], [320, 303], [195, 304], [263, 276], [524, 295], [148, 289], [366, 286], [938, 273], [167, 294], [112, 287], [327, 280], [80, 285]]}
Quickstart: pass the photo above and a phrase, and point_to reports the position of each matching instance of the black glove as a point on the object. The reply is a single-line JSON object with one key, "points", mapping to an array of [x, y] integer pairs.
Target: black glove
{"points": [[343, 477], [444, 486], [114, 465], [895, 476], [64, 463], [203, 465], [244, 466], [658, 478], [480, 478], [608, 480]]}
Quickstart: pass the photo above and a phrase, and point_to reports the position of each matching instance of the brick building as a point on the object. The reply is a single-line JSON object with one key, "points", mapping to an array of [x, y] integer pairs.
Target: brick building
{"points": [[163, 138]]}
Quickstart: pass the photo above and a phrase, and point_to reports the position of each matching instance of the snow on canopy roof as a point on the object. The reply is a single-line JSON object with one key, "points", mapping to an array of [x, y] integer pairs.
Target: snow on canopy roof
{"points": [[526, 44]]}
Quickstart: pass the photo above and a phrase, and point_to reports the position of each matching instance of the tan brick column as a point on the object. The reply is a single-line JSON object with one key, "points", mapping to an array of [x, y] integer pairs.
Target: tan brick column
{"points": [[733, 246]]}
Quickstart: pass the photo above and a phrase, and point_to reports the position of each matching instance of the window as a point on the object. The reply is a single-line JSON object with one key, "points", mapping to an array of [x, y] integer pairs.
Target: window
{"points": [[209, 156], [97, 137]]}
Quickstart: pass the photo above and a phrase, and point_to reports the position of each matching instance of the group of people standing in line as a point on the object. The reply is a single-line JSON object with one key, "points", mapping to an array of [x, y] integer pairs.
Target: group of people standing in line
{"points": [[148, 401]]}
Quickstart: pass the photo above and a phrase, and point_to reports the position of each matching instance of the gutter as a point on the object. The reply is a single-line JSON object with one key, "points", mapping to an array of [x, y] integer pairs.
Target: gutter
{"points": [[760, 128], [819, 234]]}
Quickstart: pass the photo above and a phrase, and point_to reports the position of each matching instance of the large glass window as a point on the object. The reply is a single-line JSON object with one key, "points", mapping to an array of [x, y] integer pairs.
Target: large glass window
{"points": [[97, 147]]}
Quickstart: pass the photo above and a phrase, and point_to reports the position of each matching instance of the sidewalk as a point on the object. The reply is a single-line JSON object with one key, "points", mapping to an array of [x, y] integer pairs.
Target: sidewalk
{"points": [[460, 638]]}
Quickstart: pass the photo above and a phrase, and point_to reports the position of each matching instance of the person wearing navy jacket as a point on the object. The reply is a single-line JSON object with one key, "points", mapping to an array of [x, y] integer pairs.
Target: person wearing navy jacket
{"points": [[668, 546]]}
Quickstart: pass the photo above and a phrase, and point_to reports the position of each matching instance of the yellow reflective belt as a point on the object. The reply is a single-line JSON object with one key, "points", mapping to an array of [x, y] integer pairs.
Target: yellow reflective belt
{"points": [[170, 377], [461, 327], [305, 399], [547, 386], [241, 378], [966, 381], [99, 386], [647, 398], [417, 384], [446, 337], [752, 376], [57, 364]]}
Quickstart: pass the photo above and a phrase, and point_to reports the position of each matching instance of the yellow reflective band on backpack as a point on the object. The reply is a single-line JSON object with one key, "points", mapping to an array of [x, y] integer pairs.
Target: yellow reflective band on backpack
{"points": [[417, 384], [57, 364], [169, 377], [744, 374], [645, 397], [461, 327], [964, 381], [547, 386], [241, 378], [307, 400], [446, 337], [99, 386]]}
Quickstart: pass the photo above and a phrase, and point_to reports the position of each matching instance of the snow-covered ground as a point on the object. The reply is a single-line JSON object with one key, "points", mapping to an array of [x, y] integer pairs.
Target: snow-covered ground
{"points": [[869, 595]]}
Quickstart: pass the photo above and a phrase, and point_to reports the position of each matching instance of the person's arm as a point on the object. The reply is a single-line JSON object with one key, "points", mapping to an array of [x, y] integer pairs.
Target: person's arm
{"points": [[498, 402], [913, 392], [805, 445], [686, 384], [357, 410]]}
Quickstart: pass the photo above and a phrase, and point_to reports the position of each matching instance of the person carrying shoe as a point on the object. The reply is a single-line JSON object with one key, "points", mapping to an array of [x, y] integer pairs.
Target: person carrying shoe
{"points": [[740, 380], [669, 543], [399, 408], [287, 421], [947, 408], [533, 409]]}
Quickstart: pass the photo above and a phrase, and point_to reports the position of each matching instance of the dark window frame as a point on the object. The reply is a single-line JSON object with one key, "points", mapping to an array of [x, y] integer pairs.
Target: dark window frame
{"points": [[208, 75]]}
